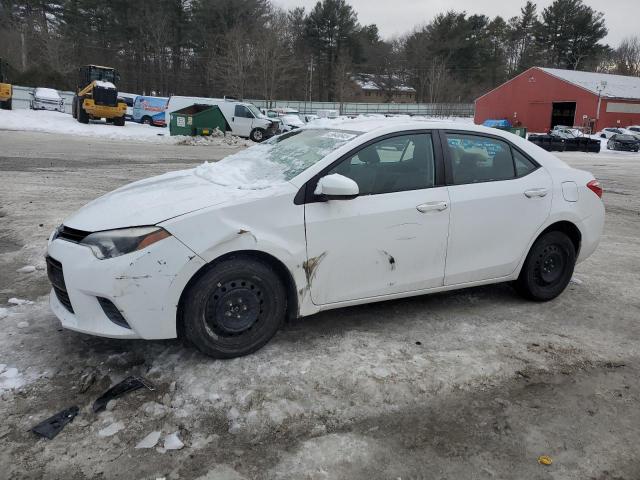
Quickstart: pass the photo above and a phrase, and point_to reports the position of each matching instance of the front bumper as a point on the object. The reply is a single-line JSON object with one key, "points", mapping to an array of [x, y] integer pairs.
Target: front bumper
{"points": [[145, 286], [38, 105]]}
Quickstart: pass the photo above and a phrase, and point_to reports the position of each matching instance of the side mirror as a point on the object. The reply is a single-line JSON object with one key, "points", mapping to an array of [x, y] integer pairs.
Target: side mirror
{"points": [[337, 187]]}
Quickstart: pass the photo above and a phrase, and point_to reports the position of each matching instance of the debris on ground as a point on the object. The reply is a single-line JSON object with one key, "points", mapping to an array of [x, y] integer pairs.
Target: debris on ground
{"points": [[53, 425], [19, 301], [87, 380], [576, 281], [545, 460], [111, 429], [127, 385], [150, 440], [173, 442]]}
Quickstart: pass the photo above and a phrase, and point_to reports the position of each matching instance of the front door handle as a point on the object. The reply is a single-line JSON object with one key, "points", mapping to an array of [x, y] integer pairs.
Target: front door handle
{"points": [[432, 207], [536, 192]]}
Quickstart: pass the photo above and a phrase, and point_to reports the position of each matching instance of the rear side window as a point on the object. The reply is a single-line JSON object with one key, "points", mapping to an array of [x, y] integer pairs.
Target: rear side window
{"points": [[476, 159], [524, 166]]}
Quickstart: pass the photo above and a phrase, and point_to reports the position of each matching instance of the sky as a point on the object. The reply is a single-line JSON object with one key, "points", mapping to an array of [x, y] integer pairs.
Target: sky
{"points": [[397, 17]]}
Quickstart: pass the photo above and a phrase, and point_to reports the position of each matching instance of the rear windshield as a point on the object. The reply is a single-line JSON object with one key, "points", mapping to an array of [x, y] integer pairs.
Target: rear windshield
{"points": [[277, 160], [625, 137]]}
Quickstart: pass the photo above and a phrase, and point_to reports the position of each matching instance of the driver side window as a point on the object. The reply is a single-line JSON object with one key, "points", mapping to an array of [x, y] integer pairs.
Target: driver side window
{"points": [[394, 164], [242, 112]]}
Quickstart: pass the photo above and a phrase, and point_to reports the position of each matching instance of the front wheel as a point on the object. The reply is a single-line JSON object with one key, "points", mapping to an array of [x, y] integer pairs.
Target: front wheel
{"points": [[234, 308], [257, 135], [548, 268]]}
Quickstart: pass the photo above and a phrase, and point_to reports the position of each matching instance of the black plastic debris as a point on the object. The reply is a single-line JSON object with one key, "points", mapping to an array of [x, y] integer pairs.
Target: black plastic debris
{"points": [[52, 426], [127, 385]]}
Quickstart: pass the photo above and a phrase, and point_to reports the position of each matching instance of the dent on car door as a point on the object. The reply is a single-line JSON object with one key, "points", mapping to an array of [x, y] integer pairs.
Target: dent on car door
{"points": [[392, 237], [499, 200]]}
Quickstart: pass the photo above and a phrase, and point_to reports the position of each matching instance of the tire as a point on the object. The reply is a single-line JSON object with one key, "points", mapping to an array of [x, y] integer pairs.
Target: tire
{"points": [[146, 120], [6, 105], [257, 135], [118, 121], [548, 268], [83, 116], [74, 107], [232, 286]]}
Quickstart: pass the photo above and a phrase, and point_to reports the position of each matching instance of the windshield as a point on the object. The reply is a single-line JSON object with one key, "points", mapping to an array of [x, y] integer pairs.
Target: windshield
{"points": [[256, 113], [275, 161]]}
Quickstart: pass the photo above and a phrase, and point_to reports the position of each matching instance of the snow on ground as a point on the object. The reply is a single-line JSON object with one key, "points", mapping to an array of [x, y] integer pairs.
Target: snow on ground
{"points": [[58, 123]]}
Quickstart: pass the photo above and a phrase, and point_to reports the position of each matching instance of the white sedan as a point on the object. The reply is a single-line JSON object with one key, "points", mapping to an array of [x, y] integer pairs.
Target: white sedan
{"points": [[347, 213]]}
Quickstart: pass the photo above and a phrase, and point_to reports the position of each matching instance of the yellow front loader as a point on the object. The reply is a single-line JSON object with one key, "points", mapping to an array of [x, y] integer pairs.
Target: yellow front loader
{"points": [[6, 89], [97, 96]]}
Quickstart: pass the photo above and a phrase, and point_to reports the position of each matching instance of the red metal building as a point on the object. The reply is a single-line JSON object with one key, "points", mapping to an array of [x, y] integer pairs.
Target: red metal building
{"points": [[541, 98]]}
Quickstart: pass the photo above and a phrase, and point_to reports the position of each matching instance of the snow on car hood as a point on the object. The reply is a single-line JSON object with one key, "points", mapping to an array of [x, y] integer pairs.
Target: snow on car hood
{"points": [[153, 200]]}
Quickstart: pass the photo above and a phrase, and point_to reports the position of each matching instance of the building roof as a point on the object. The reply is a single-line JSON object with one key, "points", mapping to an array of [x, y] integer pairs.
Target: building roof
{"points": [[611, 86]]}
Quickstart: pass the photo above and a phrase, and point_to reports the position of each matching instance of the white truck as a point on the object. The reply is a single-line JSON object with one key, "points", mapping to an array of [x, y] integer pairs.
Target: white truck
{"points": [[244, 119]]}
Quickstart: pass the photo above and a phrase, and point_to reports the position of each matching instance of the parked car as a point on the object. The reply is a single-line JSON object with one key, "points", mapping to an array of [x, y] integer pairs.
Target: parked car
{"points": [[150, 110], [244, 119], [634, 128], [46, 99], [627, 143], [317, 219], [292, 121], [610, 132], [129, 99]]}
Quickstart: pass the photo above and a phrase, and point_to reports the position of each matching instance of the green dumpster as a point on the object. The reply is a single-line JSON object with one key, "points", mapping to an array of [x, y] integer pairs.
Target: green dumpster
{"points": [[196, 120]]}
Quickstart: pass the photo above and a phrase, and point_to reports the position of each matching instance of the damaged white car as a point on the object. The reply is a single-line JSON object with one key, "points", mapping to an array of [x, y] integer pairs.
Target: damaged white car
{"points": [[320, 218]]}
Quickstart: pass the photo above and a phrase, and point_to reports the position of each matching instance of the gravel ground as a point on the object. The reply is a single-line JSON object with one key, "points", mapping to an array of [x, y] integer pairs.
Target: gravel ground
{"points": [[470, 384]]}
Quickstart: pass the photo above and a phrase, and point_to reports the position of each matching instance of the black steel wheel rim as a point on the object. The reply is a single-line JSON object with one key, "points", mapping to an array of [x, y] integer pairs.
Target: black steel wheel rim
{"points": [[234, 307], [551, 265]]}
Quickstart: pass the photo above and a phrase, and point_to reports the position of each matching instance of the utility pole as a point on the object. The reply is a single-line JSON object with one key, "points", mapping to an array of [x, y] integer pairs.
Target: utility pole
{"points": [[600, 88], [311, 79]]}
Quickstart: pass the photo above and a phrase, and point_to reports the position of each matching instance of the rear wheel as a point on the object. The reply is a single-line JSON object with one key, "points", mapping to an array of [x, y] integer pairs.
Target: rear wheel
{"points": [[548, 267], [6, 105], [118, 121], [146, 120], [234, 308]]}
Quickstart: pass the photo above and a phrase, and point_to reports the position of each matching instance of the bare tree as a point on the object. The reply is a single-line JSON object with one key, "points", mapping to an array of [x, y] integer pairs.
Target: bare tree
{"points": [[628, 57]]}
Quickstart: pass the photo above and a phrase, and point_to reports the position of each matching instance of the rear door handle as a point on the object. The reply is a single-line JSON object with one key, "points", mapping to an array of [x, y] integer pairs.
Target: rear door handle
{"points": [[432, 207], [536, 192]]}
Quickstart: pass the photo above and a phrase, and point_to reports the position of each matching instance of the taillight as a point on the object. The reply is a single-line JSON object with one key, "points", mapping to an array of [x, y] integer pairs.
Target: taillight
{"points": [[594, 186]]}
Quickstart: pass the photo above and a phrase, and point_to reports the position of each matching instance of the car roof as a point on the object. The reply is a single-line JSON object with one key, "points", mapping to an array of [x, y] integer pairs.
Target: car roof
{"points": [[366, 125]]}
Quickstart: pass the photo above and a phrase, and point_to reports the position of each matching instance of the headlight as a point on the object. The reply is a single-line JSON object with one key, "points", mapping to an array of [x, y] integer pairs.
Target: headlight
{"points": [[113, 243]]}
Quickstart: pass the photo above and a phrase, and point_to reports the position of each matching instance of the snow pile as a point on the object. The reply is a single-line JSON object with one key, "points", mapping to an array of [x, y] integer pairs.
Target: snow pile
{"points": [[62, 123], [10, 378], [217, 139]]}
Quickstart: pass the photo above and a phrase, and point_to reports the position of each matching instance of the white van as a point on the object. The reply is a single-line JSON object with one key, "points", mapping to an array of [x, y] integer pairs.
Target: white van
{"points": [[244, 119]]}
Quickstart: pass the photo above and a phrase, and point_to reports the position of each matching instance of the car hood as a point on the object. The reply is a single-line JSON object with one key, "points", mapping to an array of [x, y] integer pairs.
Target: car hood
{"points": [[151, 201]]}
